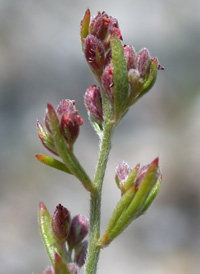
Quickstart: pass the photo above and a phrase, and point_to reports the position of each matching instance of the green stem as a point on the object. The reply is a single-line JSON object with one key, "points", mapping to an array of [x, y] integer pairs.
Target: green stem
{"points": [[95, 202]]}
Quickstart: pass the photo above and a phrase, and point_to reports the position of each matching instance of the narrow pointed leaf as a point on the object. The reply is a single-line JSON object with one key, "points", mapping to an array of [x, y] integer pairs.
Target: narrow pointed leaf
{"points": [[119, 209], [131, 177], [84, 31], [49, 161], [151, 196], [120, 77]]}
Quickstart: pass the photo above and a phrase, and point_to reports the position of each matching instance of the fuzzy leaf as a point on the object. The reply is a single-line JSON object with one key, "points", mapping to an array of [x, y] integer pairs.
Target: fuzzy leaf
{"points": [[119, 209], [120, 77], [84, 31]]}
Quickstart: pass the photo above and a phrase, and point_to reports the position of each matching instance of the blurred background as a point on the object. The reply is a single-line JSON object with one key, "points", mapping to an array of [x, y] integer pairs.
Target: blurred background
{"points": [[41, 61]]}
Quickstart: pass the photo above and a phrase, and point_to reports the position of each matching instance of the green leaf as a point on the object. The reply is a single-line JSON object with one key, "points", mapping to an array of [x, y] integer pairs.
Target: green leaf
{"points": [[131, 177], [120, 77], [49, 161], [84, 30], [151, 196], [119, 209]]}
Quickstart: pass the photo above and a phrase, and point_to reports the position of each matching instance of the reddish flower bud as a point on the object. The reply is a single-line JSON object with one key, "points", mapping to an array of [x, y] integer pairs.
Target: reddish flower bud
{"points": [[94, 52], [143, 171], [107, 81], [72, 268], [70, 121], [98, 26], [93, 102], [113, 27], [80, 253], [143, 61], [60, 222], [130, 56], [78, 230]]}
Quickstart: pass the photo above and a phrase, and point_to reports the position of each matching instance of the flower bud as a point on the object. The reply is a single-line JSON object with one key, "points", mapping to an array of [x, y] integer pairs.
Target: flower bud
{"points": [[94, 52], [80, 253], [60, 222], [125, 177], [70, 121], [98, 25], [78, 230], [113, 30], [121, 174], [93, 102], [72, 268], [143, 61], [107, 81], [48, 270], [130, 56]]}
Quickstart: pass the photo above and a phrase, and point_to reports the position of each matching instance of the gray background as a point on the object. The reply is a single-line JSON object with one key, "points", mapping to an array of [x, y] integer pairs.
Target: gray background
{"points": [[41, 61]]}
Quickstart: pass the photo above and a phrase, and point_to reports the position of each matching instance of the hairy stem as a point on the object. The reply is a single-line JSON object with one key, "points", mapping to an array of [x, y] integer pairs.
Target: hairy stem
{"points": [[95, 202]]}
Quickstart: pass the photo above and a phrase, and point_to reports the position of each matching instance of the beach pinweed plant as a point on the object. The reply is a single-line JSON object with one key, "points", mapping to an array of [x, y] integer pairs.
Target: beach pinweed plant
{"points": [[123, 76]]}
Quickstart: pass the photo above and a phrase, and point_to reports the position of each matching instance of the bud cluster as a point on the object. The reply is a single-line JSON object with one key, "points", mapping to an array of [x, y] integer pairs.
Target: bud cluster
{"points": [[69, 123], [108, 59], [71, 231], [68, 246], [126, 177], [139, 187]]}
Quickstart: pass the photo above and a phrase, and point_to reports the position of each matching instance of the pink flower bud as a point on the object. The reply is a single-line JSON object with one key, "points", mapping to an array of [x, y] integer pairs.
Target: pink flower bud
{"points": [[72, 268], [80, 253], [70, 121], [121, 174], [113, 27], [60, 222], [143, 61], [48, 270], [94, 52], [93, 102], [130, 56], [98, 26], [78, 230], [107, 81]]}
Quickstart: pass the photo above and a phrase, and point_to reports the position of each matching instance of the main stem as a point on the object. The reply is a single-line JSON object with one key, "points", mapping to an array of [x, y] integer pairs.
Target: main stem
{"points": [[95, 202]]}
